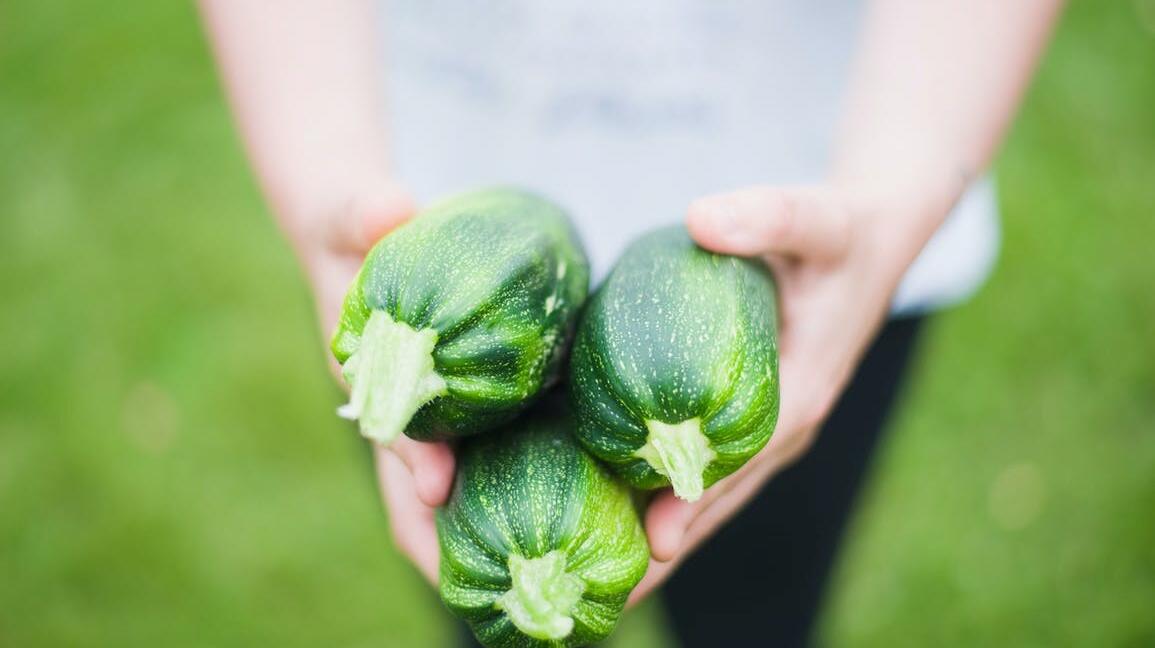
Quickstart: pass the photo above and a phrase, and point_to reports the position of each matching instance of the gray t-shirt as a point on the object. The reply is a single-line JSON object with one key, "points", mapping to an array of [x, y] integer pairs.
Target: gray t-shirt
{"points": [[624, 112]]}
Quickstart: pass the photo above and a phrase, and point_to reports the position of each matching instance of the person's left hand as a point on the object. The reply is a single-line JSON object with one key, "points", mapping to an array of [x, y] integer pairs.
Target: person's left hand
{"points": [[837, 258], [415, 477]]}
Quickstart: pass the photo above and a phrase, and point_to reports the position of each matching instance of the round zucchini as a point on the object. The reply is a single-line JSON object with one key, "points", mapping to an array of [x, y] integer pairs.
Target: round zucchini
{"points": [[540, 545], [674, 374], [461, 316]]}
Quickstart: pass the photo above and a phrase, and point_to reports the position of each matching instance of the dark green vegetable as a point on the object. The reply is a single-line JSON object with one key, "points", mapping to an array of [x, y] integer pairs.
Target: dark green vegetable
{"points": [[540, 545], [674, 372], [461, 316]]}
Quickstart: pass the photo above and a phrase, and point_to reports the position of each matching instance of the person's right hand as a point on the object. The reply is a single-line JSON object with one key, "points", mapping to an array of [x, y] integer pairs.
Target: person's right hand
{"points": [[415, 477]]}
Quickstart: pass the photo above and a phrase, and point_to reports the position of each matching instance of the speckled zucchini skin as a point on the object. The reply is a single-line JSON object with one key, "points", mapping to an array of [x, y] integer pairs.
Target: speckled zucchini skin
{"points": [[500, 275], [529, 489], [677, 333]]}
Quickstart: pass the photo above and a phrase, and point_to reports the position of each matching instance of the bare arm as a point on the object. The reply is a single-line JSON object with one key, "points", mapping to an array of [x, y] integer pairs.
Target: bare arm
{"points": [[302, 77], [935, 85], [303, 80], [934, 88]]}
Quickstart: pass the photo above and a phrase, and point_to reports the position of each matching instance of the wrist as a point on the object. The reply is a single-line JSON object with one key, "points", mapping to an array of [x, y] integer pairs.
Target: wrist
{"points": [[916, 196], [898, 215], [892, 224]]}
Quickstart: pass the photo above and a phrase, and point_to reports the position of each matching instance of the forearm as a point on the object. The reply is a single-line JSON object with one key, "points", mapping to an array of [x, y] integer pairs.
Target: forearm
{"points": [[303, 83], [935, 86]]}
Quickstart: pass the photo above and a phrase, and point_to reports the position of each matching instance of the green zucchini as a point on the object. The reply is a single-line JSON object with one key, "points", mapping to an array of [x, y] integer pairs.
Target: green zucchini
{"points": [[674, 373], [461, 316], [540, 544]]}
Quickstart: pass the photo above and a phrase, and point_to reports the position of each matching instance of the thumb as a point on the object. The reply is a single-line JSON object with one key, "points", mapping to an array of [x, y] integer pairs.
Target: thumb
{"points": [[800, 222], [368, 217]]}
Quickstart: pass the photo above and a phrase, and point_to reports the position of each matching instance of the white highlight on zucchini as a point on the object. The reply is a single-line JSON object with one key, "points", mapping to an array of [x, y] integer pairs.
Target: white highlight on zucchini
{"points": [[391, 374], [542, 597], [680, 452]]}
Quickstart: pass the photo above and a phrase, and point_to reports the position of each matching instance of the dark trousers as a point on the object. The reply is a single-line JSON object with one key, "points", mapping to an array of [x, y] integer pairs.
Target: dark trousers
{"points": [[759, 581]]}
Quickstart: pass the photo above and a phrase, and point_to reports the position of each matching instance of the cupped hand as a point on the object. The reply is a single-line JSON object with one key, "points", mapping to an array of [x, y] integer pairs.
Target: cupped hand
{"points": [[836, 259], [415, 477]]}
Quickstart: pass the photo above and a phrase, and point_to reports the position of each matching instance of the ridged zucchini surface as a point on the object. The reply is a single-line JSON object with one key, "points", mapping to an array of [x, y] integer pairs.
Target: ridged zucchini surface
{"points": [[674, 372], [540, 544], [460, 317]]}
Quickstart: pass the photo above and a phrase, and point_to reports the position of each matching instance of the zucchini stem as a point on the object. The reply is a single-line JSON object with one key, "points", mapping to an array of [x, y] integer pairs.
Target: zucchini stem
{"points": [[391, 375], [542, 597], [680, 452]]}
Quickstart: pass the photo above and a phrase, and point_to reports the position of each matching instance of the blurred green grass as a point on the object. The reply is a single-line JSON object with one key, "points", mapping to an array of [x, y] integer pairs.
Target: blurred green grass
{"points": [[171, 471]]}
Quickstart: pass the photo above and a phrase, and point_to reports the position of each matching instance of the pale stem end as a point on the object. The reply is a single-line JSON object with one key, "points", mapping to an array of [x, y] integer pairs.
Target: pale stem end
{"points": [[681, 453], [542, 597], [391, 375]]}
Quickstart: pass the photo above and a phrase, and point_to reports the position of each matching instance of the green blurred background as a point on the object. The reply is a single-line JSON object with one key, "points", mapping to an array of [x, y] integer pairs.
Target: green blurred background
{"points": [[171, 471]]}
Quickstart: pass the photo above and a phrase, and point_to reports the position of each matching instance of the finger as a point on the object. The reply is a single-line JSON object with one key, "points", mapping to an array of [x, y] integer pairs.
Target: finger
{"points": [[741, 487], [430, 464], [674, 527], [369, 217], [666, 520], [796, 222], [656, 574], [412, 521]]}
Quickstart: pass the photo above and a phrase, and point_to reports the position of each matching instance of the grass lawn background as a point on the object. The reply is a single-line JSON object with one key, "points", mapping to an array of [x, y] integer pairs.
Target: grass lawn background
{"points": [[171, 471]]}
